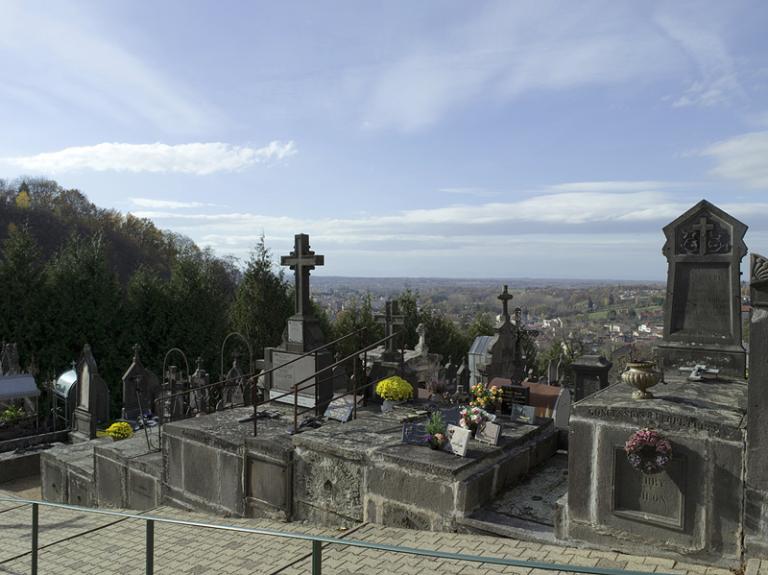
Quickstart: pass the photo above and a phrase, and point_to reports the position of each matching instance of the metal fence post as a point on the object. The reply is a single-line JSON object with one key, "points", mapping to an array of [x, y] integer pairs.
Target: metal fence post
{"points": [[35, 530], [317, 557], [150, 546]]}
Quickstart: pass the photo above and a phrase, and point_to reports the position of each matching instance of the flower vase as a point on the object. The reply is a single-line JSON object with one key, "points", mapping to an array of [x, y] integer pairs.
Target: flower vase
{"points": [[387, 406], [641, 375]]}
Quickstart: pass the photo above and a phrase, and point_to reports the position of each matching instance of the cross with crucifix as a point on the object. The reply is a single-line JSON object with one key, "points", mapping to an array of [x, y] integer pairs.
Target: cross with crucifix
{"points": [[505, 296], [302, 260], [703, 227], [391, 319]]}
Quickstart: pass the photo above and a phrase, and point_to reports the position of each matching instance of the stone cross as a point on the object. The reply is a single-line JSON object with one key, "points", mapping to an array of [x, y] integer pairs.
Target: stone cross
{"points": [[505, 296], [703, 227], [391, 319], [302, 260]]}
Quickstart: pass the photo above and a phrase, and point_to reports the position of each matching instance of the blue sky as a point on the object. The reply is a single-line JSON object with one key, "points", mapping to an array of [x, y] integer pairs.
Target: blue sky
{"points": [[437, 138]]}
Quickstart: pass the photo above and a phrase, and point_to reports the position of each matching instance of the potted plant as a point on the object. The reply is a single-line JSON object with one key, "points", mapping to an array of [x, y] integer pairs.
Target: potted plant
{"points": [[393, 389], [472, 418], [436, 436], [119, 430]]}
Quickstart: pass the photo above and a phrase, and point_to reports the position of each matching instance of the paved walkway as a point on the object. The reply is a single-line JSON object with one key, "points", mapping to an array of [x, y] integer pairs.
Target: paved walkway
{"points": [[82, 543]]}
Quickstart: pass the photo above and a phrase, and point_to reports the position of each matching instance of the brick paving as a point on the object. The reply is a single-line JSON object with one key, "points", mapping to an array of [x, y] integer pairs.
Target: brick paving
{"points": [[80, 543]]}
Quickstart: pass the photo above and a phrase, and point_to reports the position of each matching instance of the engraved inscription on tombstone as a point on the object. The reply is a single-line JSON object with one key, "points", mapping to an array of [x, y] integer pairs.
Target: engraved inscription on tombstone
{"points": [[703, 301], [656, 499]]}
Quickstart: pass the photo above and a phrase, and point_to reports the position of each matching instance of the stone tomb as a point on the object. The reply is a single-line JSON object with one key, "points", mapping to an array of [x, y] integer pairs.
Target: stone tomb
{"points": [[702, 315], [756, 502], [302, 335], [694, 506]]}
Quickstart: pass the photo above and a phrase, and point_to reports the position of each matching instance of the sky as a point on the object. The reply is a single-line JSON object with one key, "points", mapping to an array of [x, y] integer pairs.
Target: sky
{"points": [[482, 139]]}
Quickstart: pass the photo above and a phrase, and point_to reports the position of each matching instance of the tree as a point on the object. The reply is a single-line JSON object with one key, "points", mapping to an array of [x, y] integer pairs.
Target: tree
{"points": [[358, 315], [262, 303], [21, 278]]}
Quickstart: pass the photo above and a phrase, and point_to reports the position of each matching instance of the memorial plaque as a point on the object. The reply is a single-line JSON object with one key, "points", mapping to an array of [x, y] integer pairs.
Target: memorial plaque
{"points": [[458, 439], [523, 413], [415, 433], [514, 394], [451, 416], [340, 409], [702, 305], [489, 433], [656, 499], [284, 378]]}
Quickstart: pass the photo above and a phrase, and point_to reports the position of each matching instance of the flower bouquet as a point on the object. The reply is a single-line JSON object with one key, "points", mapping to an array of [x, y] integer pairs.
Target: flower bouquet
{"points": [[648, 451], [472, 418], [485, 397], [436, 427], [119, 430]]}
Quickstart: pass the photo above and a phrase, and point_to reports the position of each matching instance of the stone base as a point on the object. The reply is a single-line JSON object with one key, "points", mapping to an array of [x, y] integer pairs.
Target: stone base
{"points": [[730, 360], [693, 507], [66, 473], [360, 471], [127, 475]]}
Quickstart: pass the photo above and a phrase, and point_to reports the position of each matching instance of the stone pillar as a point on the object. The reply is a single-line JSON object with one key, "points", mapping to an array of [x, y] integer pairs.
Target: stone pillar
{"points": [[756, 507], [590, 373]]}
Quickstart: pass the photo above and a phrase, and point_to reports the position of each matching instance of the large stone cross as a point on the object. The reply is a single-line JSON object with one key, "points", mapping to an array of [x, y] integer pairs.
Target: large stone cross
{"points": [[302, 260], [505, 296], [391, 319], [703, 226]]}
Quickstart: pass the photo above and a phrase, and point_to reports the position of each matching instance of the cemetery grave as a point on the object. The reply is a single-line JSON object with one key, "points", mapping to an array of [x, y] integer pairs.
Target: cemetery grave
{"points": [[683, 472]]}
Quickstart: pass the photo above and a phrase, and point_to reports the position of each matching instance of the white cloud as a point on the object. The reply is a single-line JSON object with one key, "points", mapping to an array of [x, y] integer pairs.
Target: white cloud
{"points": [[613, 186], [195, 158], [469, 191], [743, 158], [61, 54], [167, 204], [715, 79]]}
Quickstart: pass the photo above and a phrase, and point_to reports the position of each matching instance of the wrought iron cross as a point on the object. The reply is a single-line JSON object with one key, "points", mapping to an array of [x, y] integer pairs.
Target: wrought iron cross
{"points": [[302, 260], [703, 227], [391, 319]]}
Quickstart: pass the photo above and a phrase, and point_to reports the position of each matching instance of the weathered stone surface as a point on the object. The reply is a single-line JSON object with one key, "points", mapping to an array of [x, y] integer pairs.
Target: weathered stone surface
{"points": [[756, 500], [590, 375], [394, 515], [580, 450], [702, 312]]}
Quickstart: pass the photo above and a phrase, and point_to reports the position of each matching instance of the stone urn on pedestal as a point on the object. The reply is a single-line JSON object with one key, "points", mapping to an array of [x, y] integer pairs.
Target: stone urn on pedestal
{"points": [[641, 375]]}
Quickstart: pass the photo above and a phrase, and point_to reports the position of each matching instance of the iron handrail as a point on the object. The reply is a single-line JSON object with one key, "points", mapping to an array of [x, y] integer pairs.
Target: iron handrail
{"points": [[316, 540]]}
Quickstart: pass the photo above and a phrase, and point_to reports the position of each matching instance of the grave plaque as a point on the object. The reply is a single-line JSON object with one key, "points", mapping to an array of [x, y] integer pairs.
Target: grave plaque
{"points": [[656, 499], [523, 413], [451, 416], [702, 311], [340, 409], [458, 440], [514, 394], [415, 433], [489, 433]]}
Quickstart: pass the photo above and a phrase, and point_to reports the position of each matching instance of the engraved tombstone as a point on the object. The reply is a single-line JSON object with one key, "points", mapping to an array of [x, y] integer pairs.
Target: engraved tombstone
{"points": [[92, 403], [302, 335], [702, 313], [590, 375]]}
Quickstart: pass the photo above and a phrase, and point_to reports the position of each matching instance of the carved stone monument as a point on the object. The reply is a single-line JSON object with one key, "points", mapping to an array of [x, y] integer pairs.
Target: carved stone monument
{"points": [[702, 313], [693, 503], [756, 505], [92, 405], [302, 335], [590, 375], [141, 389], [507, 358]]}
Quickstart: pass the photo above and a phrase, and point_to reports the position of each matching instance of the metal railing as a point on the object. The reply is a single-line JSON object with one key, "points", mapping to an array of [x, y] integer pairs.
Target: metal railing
{"points": [[317, 542]]}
